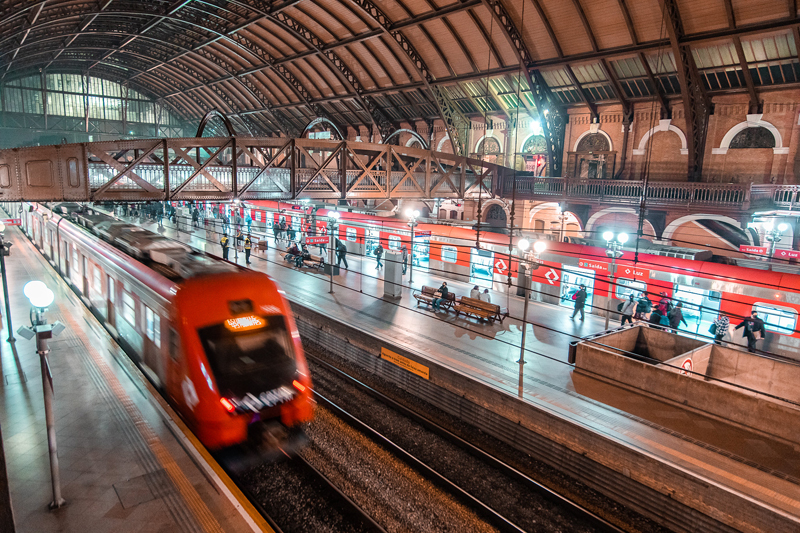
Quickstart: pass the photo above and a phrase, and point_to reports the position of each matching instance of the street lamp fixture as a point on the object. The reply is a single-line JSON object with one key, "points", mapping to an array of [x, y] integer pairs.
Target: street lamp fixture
{"points": [[774, 235], [532, 258], [333, 222], [41, 297], [5, 250], [614, 251], [412, 215]]}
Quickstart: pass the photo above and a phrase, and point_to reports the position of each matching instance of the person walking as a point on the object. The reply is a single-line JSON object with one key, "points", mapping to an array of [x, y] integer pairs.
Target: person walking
{"points": [[627, 309], [248, 246], [225, 223], [754, 330], [720, 328], [239, 238], [341, 253], [290, 231], [675, 316], [276, 231], [224, 243], [475, 293], [195, 217], [404, 252], [378, 255], [282, 228], [160, 214], [442, 296], [643, 306], [580, 301], [249, 222]]}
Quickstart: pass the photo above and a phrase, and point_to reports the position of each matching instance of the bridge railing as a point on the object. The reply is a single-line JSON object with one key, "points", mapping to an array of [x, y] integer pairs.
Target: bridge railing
{"points": [[724, 195]]}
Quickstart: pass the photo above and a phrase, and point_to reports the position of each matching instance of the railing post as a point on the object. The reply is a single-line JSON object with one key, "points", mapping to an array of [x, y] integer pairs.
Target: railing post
{"points": [[234, 169], [747, 195], [293, 169], [165, 144]]}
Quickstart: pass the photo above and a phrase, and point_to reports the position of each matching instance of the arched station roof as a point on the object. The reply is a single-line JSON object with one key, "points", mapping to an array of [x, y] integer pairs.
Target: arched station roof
{"points": [[274, 65]]}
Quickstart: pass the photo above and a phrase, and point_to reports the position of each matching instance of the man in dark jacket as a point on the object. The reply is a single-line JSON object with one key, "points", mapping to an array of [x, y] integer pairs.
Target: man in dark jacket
{"points": [[378, 256], [443, 292], [753, 326], [675, 317], [643, 307], [341, 253], [248, 246], [580, 301], [404, 251], [195, 217], [224, 243]]}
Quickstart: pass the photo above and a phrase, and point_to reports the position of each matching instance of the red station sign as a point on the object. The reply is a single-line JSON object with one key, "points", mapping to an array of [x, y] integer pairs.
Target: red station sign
{"points": [[755, 250], [322, 239], [422, 234], [625, 271], [786, 254], [593, 264], [11, 221]]}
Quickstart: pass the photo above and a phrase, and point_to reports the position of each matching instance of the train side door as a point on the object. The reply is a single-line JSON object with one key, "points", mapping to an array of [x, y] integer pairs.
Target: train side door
{"points": [[372, 238], [571, 280], [111, 302], [481, 270], [700, 307], [422, 252]]}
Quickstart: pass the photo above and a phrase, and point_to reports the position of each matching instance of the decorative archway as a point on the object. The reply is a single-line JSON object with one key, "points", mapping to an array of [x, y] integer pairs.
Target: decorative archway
{"points": [[414, 137], [663, 125], [441, 143], [591, 224], [669, 231], [490, 206], [753, 121], [590, 132], [489, 149], [497, 150], [321, 120]]}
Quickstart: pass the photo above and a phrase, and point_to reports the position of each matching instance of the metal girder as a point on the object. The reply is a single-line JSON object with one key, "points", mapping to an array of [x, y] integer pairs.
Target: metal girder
{"points": [[696, 106], [755, 105], [456, 123], [627, 109], [552, 116], [582, 93], [666, 110]]}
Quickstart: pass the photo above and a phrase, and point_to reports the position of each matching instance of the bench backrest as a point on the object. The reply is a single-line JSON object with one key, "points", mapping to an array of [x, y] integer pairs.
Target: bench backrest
{"points": [[480, 304], [430, 291]]}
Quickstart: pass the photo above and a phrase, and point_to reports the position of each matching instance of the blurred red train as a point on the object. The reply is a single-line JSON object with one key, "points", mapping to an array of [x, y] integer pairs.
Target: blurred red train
{"points": [[218, 340], [706, 288]]}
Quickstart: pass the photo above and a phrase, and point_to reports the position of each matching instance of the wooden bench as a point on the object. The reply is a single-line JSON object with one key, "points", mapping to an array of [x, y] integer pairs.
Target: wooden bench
{"points": [[428, 294], [480, 309], [314, 261]]}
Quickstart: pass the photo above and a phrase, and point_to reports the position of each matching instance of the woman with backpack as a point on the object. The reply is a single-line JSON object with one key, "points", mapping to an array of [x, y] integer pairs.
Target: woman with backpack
{"points": [[643, 307], [378, 254]]}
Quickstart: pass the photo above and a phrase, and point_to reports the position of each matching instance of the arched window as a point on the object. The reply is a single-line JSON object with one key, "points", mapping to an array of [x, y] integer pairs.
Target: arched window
{"points": [[453, 214], [535, 144], [753, 138], [594, 142]]}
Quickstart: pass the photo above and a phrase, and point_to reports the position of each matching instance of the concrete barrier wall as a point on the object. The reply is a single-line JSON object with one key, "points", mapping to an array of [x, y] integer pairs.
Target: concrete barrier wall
{"points": [[664, 492], [699, 358], [773, 377], [750, 410]]}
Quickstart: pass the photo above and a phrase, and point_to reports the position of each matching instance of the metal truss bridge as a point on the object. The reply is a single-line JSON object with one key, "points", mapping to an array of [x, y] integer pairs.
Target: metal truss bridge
{"points": [[239, 167]]}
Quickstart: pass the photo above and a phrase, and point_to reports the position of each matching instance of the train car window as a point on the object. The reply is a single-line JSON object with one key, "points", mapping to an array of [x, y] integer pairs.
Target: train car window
{"points": [[97, 281], [449, 254], [112, 294], [152, 326], [253, 360], [629, 286], [128, 308], [351, 235], [394, 242], [778, 319]]}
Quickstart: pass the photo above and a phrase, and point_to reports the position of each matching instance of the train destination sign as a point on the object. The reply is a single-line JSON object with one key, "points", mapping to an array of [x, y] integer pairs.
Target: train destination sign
{"points": [[319, 239], [755, 250], [11, 221], [422, 234]]}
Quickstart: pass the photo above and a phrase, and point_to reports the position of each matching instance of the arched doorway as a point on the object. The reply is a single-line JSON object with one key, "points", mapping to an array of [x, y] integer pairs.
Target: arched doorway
{"points": [[534, 153]]}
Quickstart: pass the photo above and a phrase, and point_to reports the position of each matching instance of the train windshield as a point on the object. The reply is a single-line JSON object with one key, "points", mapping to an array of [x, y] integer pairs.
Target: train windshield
{"points": [[249, 355]]}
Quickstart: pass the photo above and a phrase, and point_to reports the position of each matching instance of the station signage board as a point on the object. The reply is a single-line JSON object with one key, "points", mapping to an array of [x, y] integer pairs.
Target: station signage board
{"points": [[625, 271], [11, 221], [593, 264], [754, 250], [323, 239], [786, 254], [422, 234]]}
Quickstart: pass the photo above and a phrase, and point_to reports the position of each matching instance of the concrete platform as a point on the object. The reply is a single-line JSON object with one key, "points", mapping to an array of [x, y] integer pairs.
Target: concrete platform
{"points": [[762, 471], [127, 463]]}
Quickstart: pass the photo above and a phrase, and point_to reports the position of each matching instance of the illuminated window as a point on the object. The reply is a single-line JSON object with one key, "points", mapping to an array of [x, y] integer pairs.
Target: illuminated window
{"points": [[128, 308], [629, 286], [152, 326], [778, 319], [112, 295], [394, 242], [351, 235], [449, 254]]}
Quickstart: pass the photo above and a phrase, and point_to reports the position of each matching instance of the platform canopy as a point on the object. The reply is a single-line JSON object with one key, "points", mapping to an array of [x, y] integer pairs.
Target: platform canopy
{"points": [[274, 66]]}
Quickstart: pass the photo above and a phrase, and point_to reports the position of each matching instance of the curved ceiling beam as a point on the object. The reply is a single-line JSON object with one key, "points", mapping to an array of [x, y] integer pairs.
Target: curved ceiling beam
{"points": [[551, 116], [320, 120], [413, 133], [456, 124], [214, 113]]}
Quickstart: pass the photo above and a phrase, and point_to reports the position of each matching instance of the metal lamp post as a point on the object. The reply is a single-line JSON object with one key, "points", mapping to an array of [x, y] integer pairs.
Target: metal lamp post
{"points": [[774, 236], [333, 219], [5, 250], [412, 223], [614, 251], [41, 297], [533, 260]]}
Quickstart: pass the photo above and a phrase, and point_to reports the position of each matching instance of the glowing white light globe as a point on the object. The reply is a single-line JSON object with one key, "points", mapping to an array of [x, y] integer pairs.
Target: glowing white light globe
{"points": [[539, 246], [416, 213], [608, 235], [622, 238], [409, 212], [782, 226], [768, 226], [523, 244], [38, 294]]}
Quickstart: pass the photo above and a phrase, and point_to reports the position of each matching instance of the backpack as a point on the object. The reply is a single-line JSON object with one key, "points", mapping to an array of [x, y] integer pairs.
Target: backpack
{"points": [[341, 247], [619, 307], [378, 250]]}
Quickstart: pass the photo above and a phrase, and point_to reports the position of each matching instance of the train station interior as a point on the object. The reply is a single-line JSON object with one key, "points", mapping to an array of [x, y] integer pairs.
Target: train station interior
{"points": [[409, 265]]}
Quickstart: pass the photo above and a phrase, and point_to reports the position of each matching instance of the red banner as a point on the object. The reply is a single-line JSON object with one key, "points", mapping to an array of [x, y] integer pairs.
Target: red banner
{"points": [[625, 271], [324, 239], [593, 264], [786, 254], [422, 234], [755, 250], [11, 221]]}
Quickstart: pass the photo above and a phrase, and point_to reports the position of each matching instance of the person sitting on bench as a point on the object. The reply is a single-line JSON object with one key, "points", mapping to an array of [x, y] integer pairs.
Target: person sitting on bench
{"points": [[294, 251], [305, 254]]}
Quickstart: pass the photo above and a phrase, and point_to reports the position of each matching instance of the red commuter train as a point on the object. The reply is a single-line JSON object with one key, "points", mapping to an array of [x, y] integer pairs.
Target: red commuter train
{"points": [[217, 339], [706, 288]]}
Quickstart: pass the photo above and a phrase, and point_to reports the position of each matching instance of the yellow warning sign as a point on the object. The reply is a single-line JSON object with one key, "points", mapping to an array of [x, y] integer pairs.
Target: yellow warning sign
{"points": [[405, 363]]}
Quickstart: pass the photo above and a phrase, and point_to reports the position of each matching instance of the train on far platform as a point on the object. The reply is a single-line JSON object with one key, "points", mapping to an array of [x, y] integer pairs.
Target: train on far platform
{"points": [[706, 288], [218, 340]]}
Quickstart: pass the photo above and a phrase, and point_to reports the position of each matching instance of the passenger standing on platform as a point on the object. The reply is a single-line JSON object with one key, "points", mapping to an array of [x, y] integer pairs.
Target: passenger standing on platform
{"points": [[276, 231], [485, 297], [291, 233], [282, 227], [404, 251], [664, 305], [248, 245], [580, 301], [443, 292], [676, 317], [378, 255], [753, 326], [475, 293], [225, 222], [643, 307], [720, 328], [627, 310], [224, 243], [239, 238], [195, 217], [323, 246], [160, 215], [341, 253], [249, 222]]}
